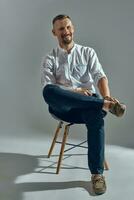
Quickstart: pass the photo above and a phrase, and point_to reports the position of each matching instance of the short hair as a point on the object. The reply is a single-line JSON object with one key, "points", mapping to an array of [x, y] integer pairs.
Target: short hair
{"points": [[60, 17]]}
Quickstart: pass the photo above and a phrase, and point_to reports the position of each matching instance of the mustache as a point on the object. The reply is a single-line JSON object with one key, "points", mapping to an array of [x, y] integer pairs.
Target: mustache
{"points": [[66, 35]]}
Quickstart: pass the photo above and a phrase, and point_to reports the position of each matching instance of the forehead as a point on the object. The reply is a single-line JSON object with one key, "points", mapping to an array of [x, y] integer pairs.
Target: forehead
{"points": [[62, 23]]}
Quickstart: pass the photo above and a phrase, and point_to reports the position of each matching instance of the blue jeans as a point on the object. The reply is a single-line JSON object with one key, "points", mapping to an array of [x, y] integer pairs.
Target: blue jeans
{"points": [[78, 108]]}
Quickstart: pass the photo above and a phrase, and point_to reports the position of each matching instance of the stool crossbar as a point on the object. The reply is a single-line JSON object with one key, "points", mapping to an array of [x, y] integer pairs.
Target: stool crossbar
{"points": [[63, 143]]}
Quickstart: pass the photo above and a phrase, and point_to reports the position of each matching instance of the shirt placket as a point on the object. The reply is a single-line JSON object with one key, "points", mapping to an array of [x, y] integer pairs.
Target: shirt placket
{"points": [[67, 69]]}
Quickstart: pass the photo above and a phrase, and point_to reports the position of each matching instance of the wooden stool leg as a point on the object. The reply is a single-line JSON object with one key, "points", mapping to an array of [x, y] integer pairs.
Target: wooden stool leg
{"points": [[106, 166], [55, 137], [62, 148]]}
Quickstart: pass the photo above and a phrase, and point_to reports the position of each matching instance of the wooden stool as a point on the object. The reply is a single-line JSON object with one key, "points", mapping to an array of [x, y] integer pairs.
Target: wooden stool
{"points": [[63, 143]]}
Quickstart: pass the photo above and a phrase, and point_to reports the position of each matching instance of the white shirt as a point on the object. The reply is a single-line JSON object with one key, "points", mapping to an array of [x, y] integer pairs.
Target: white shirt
{"points": [[79, 68]]}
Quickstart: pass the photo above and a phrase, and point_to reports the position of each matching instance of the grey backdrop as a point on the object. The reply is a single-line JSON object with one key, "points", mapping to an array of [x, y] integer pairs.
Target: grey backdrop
{"points": [[25, 37]]}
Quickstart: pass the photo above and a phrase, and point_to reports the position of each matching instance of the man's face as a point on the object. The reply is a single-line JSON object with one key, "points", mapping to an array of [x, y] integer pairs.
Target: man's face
{"points": [[63, 30]]}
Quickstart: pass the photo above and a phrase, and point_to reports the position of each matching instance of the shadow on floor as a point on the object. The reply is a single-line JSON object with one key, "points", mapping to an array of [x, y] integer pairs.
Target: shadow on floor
{"points": [[13, 165], [41, 186]]}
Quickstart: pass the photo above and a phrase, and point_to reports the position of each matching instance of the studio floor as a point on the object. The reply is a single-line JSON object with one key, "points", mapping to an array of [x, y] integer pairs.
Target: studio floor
{"points": [[27, 174]]}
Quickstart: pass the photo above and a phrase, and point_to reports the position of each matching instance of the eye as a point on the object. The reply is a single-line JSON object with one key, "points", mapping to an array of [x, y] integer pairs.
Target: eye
{"points": [[61, 29], [68, 27]]}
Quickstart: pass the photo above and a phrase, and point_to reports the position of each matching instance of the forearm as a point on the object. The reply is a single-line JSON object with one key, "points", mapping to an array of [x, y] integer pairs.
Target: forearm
{"points": [[103, 87], [80, 90]]}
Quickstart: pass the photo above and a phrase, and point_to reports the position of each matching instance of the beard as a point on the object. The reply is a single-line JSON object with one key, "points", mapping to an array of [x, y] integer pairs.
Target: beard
{"points": [[67, 39]]}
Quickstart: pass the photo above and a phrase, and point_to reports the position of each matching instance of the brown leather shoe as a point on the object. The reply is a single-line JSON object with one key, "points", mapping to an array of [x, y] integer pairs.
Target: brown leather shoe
{"points": [[99, 184], [117, 109]]}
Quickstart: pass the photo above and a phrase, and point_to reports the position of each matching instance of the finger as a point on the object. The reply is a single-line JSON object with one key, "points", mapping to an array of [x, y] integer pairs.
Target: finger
{"points": [[86, 93], [89, 93], [115, 100]]}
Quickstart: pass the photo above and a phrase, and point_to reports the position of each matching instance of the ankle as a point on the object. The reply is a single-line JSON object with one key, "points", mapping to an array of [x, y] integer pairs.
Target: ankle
{"points": [[97, 175]]}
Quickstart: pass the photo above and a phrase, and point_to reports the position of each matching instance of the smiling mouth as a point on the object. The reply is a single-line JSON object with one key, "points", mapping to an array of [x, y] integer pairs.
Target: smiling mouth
{"points": [[65, 36]]}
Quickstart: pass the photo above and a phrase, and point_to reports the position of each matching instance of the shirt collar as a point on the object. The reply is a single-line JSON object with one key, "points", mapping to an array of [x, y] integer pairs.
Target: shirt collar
{"points": [[64, 51]]}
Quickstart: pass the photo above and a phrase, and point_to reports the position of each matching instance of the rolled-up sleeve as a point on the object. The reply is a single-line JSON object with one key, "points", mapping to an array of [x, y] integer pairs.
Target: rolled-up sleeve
{"points": [[95, 67], [47, 71]]}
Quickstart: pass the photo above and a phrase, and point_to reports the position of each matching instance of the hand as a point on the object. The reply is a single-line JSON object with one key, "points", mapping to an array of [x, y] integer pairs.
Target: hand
{"points": [[111, 99], [84, 91]]}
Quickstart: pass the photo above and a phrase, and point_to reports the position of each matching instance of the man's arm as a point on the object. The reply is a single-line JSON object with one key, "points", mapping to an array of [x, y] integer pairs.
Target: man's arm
{"points": [[103, 87], [47, 75], [99, 76], [104, 90]]}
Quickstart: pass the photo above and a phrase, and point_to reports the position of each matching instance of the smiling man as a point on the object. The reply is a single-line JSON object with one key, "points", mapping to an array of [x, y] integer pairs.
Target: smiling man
{"points": [[64, 30], [69, 74]]}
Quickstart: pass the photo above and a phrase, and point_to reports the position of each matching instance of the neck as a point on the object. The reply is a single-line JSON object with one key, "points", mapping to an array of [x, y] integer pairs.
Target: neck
{"points": [[67, 47]]}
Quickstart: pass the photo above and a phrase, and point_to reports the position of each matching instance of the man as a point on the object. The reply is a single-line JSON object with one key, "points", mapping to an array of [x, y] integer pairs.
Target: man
{"points": [[68, 76]]}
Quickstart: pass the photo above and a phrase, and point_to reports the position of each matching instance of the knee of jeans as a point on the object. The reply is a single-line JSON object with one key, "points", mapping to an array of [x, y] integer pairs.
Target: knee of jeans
{"points": [[47, 91]]}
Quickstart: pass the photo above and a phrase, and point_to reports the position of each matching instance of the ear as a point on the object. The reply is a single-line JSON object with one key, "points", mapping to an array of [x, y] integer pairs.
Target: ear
{"points": [[53, 32]]}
